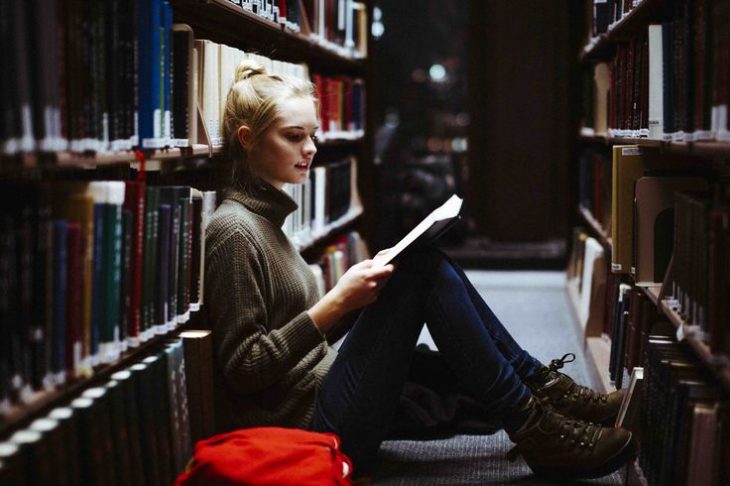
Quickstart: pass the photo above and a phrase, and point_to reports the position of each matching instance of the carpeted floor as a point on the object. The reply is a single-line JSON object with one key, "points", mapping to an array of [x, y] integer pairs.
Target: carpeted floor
{"points": [[534, 307]]}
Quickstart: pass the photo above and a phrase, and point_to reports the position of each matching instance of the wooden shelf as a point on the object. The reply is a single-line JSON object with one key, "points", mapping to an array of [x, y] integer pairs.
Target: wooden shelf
{"points": [[45, 400], [602, 47], [588, 218], [701, 148], [720, 367], [329, 230], [223, 21], [64, 160], [652, 291], [597, 349]]}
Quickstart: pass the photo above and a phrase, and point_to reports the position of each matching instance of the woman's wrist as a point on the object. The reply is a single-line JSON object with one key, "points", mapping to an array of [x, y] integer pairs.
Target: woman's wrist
{"points": [[327, 311]]}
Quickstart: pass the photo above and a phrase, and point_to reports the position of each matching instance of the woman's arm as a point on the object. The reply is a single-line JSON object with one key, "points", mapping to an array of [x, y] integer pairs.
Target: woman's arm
{"points": [[358, 287], [252, 355]]}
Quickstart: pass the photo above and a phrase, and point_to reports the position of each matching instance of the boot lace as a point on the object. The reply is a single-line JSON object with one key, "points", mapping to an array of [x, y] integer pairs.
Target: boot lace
{"points": [[575, 391], [577, 433]]}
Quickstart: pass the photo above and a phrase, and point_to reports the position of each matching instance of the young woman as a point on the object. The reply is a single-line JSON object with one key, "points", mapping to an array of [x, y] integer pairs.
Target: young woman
{"points": [[270, 323]]}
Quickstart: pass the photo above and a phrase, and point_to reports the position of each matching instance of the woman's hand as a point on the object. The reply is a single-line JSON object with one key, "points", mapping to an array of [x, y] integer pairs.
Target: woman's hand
{"points": [[358, 287]]}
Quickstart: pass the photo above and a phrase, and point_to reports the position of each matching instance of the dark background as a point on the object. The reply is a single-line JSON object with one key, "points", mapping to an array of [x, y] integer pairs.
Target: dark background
{"points": [[510, 90]]}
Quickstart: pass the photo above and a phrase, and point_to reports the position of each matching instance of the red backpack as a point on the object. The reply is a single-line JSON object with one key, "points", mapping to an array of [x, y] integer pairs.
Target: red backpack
{"points": [[268, 456]]}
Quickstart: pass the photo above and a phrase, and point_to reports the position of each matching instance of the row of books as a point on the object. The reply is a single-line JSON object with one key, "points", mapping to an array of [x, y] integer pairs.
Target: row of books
{"points": [[341, 106], [327, 198], [346, 251], [594, 185], [607, 12], [586, 275], [116, 75], [684, 419], [133, 429], [701, 272], [341, 98], [668, 82], [90, 269], [663, 206], [339, 25], [632, 319], [90, 76]]}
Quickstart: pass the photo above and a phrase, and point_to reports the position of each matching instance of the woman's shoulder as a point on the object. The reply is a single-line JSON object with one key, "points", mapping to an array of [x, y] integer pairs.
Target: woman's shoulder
{"points": [[228, 219]]}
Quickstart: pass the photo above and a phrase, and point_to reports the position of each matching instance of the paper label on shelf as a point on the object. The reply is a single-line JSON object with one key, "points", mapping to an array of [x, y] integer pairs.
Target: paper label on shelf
{"points": [[680, 333], [631, 151], [616, 267]]}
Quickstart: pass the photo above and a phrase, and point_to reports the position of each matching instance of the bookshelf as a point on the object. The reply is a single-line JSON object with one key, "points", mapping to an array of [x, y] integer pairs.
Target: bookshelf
{"points": [[61, 170], [700, 149], [644, 325]]}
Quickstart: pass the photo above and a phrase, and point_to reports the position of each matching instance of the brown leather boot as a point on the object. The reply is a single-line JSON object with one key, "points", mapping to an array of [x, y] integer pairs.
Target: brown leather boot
{"points": [[557, 447], [571, 399]]}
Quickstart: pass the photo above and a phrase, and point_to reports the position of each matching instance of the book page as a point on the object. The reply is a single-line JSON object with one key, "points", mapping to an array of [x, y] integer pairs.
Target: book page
{"points": [[448, 210]]}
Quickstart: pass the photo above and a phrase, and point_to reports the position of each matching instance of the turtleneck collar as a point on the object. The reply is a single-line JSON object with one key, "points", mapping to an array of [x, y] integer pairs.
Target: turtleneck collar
{"points": [[267, 201]]}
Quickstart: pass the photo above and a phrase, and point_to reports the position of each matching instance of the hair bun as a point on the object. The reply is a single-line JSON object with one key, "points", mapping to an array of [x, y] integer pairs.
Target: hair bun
{"points": [[247, 69]]}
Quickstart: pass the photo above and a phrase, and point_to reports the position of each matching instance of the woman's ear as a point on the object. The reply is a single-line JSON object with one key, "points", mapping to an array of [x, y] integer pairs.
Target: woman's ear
{"points": [[244, 136]]}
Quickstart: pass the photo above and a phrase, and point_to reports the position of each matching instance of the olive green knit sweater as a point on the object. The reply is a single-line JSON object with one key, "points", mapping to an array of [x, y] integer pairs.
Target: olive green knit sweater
{"points": [[270, 356]]}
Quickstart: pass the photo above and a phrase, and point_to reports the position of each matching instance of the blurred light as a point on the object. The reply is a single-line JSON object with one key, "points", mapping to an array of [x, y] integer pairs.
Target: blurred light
{"points": [[462, 119], [437, 73], [377, 29], [460, 144]]}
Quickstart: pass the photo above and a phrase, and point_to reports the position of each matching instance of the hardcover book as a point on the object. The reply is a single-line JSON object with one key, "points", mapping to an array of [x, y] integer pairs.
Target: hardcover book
{"points": [[429, 229]]}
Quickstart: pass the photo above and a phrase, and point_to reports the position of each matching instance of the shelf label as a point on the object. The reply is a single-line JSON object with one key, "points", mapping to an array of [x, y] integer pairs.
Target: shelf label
{"points": [[616, 267], [680, 333], [631, 151]]}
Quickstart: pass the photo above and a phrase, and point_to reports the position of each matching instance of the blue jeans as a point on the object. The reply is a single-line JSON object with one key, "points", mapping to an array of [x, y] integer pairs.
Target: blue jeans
{"points": [[361, 391]]}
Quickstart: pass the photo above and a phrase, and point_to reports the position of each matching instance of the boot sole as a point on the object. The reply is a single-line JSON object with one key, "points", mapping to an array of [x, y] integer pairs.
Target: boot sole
{"points": [[569, 473]]}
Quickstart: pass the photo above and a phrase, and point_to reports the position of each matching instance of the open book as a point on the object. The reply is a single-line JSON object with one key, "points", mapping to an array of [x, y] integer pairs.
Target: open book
{"points": [[432, 226]]}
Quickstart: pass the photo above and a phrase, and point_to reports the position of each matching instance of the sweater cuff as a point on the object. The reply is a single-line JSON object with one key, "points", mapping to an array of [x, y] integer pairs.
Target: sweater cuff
{"points": [[303, 332]]}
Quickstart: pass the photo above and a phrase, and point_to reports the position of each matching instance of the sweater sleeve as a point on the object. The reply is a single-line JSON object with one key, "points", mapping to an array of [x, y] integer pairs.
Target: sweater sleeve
{"points": [[252, 355]]}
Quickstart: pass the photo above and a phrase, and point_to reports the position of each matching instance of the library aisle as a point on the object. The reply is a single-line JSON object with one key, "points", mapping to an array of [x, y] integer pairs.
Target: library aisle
{"points": [[534, 307]]}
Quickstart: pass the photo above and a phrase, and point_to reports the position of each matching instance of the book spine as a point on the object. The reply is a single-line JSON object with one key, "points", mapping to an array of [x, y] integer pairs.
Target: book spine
{"points": [[98, 277], [160, 410], [131, 419], [125, 286], [162, 289], [119, 429], [147, 396], [60, 292], [75, 300]]}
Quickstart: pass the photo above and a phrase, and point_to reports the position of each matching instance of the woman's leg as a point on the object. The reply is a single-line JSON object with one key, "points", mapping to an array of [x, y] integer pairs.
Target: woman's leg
{"points": [[360, 394], [523, 363]]}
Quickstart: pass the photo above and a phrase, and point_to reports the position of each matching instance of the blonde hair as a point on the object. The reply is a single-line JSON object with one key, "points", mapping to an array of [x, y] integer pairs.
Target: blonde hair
{"points": [[254, 100]]}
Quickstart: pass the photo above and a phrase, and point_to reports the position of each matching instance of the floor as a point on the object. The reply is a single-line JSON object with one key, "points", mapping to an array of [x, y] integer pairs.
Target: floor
{"points": [[533, 305]]}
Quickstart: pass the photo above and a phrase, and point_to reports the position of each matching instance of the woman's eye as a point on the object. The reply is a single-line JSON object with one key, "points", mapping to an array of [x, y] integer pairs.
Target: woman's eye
{"points": [[294, 137]]}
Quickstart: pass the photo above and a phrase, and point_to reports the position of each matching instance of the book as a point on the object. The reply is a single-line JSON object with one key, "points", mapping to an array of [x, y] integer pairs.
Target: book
{"points": [[198, 350], [430, 228], [67, 422], [628, 413], [593, 255], [630, 162], [131, 422], [12, 470], [703, 458], [654, 223]]}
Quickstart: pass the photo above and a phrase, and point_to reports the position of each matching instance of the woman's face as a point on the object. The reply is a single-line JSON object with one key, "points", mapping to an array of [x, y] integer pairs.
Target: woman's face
{"points": [[285, 150]]}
